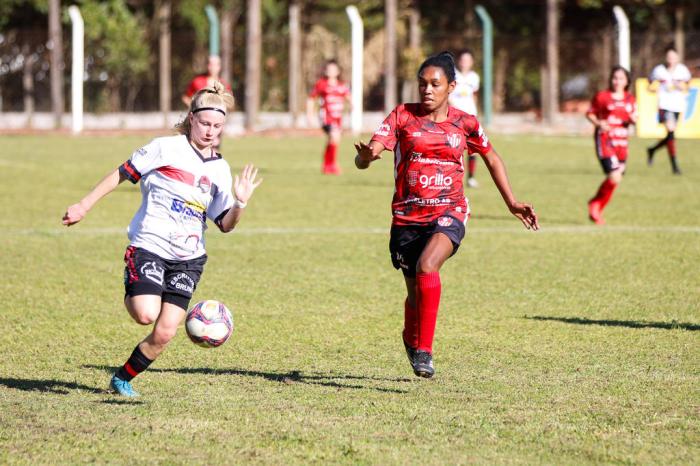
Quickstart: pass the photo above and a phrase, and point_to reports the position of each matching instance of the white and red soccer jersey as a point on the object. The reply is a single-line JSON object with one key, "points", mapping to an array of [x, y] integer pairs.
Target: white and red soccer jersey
{"points": [[462, 96], [671, 97], [618, 113], [429, 162], [333, 100], [179, 189]]}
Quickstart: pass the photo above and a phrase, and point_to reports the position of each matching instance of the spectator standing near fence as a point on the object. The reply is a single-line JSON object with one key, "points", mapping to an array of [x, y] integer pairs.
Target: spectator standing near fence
{"points": [[464, 98]]}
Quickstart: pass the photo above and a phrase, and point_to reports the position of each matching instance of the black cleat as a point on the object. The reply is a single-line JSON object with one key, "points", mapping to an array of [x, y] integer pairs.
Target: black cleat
{"points": [[677, 171], [411, 353], [650, 156], [423, 364]]}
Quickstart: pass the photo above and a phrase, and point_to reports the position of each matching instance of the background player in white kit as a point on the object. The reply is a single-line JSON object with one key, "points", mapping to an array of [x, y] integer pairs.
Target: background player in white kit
{"points": [[183, 182], [670, 81], [464, 98]]}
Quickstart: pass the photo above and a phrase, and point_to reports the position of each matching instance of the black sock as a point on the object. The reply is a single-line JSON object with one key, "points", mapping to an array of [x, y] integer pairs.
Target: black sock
{"points": [[137, 363], [662, 142]]}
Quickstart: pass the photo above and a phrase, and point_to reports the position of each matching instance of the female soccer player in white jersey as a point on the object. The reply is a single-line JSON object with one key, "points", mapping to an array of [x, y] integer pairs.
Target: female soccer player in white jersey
{"points": [[429, 208], [183, 182], [670, 81], [464, 98]]}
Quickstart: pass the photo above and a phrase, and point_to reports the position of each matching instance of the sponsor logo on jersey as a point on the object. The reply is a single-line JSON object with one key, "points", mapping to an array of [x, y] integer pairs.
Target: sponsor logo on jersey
{"points": [[204, 184], [435, 181], [445, 221], [417, 134], [383, 130], [188, 209], [454, 140], [183, 282], [153, 272], [141, 151]]}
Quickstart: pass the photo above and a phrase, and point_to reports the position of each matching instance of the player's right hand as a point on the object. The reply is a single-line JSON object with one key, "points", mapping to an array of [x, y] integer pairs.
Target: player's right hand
{"points": [[74, 214], [365, 153]]}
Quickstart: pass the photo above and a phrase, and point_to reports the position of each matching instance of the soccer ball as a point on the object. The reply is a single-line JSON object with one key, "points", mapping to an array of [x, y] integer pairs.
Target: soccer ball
{"points": [[209, 323]]}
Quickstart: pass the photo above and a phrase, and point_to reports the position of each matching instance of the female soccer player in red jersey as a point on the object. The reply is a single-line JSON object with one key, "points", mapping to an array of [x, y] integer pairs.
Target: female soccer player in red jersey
{"points": [[429, 208], [611, 113], [183, 182], [333, 93]]}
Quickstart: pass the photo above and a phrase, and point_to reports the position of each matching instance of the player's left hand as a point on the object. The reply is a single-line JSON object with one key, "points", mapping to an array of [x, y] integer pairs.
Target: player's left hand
{"points": [[526, 214], [73, 215], [244, 185]]}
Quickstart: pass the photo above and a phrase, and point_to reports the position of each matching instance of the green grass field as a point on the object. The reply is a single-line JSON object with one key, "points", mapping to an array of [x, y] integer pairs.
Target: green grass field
{"points": [[577, 344]]}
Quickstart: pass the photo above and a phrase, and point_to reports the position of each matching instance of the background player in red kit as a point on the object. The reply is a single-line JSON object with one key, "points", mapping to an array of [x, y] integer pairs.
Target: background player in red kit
{"points": [[611, 113], [333, 93], [429, 208]]}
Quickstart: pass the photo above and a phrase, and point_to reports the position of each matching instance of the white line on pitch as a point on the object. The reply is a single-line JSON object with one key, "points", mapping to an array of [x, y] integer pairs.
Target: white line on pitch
{"points": [[368, 230]]}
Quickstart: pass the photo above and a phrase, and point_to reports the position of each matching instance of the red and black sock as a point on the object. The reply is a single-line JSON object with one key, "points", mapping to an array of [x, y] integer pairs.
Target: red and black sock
{"points": [[410, 325], [471, 166], [327, 156], [428, 290], [137, 363], [662, 142]]}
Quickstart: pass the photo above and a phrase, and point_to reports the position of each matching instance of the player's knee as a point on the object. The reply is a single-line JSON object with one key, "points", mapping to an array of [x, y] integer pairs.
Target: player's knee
{"points": [[143, 318], [163, 335], [616, 175], [428, 265]]}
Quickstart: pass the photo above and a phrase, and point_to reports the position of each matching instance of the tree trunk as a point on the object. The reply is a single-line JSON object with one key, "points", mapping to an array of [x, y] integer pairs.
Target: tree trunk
{"points": [[294, 60], [253, 56], [164, 11], [499, 80], [229, 18], [552, 63], [56, 46], [390, 12], [679, 32], [28, 84], [606, 57]]}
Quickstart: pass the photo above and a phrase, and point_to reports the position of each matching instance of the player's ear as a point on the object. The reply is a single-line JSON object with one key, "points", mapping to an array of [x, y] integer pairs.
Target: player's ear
{"points": [[451, 86]]}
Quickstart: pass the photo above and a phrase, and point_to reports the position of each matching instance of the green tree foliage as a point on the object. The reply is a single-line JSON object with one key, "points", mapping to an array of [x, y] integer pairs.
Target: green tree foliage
{"points": [[116, 46]]}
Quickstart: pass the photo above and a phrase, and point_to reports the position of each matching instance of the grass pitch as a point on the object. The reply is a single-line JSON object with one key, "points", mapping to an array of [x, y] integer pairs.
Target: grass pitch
{"points": [[577, 344]]}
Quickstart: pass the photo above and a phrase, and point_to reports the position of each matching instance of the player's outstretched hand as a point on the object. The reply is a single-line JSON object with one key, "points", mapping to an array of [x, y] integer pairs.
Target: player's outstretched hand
{"points": [[364, 153], [74, 214], [244, 185], [526, 214]]}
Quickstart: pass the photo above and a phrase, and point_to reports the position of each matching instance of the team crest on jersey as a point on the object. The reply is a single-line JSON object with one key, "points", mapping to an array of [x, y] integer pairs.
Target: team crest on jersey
{"points": [[454, 140], [412, 177], [445, 221], [383, 130], [204, 184]]}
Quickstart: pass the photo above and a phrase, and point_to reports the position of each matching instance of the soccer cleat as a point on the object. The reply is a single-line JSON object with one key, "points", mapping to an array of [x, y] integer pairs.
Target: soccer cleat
{"points": [[472, 183], [411, 353], [677, 171], [423, 364], [122, 387], [595, 214], [650, 156]]}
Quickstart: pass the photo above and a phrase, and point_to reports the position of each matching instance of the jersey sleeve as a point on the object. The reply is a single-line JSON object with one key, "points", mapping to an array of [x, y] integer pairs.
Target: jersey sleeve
{"points": [[476, 81], [387, 132], [191, 88], [317, 90], [655, 74], [222, 199], [142, 161], [684, 73], [595, 105], [477, 141]]}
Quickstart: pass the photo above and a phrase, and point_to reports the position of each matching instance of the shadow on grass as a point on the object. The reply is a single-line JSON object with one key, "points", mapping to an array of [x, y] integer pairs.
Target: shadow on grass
{"points": [[673, 325], [47, 386], [122, 402], [287, 378]]}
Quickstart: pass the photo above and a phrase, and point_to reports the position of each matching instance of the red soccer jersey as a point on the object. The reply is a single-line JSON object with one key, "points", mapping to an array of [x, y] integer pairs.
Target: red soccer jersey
{"points": [[200, 82], [333, 99], [617, 112], [429, 162]]}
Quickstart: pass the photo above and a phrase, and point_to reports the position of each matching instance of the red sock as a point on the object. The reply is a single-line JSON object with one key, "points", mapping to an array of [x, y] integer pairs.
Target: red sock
{"points": [[671, 146], [327, 157], [604, 192], [471, 165], [410, 325], [607, 188], [428, 301]]}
